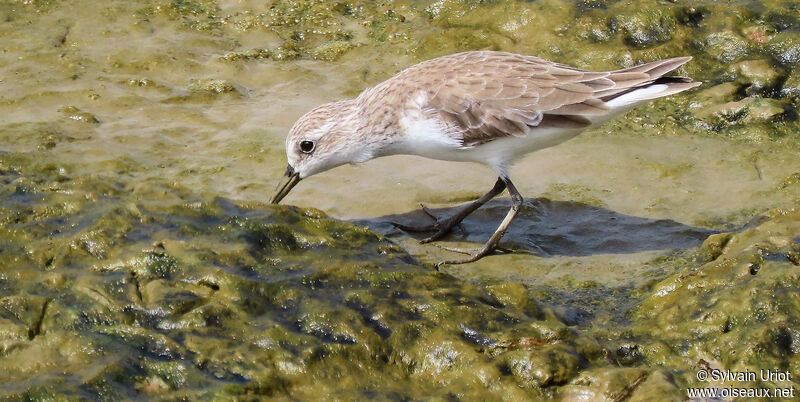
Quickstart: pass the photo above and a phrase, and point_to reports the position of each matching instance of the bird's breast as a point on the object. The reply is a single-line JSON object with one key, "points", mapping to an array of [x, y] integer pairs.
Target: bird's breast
{"points": [[423, 135]]}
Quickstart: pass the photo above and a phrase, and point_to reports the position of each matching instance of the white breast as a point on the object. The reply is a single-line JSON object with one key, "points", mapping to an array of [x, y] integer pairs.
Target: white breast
{"points": [[425, 137], [422, 135]]}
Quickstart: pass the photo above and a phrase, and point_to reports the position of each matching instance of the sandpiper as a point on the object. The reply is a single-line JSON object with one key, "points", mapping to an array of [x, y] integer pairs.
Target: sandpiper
{"points": [[479, 106]]}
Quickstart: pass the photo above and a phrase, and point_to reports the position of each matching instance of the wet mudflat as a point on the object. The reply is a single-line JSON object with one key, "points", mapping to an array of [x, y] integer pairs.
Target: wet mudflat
{"points": [[138, 258]]}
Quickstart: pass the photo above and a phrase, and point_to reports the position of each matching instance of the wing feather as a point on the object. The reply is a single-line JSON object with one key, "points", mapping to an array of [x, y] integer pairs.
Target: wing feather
{"points": [[481, 96]]}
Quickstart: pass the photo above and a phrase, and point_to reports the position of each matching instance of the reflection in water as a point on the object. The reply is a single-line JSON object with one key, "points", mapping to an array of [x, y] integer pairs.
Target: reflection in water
{"points": [[549, 228]]}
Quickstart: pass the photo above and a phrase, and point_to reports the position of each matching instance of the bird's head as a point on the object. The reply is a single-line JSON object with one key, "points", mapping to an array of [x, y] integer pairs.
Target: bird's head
{"points": [[324, 138]]}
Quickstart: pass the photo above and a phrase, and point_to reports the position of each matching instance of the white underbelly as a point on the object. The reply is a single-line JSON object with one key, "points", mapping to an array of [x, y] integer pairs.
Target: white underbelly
{"points": [[424, 137], [500, 152], [507, 150]]}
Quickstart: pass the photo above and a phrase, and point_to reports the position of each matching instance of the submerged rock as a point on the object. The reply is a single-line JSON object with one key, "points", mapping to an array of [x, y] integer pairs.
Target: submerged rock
{"points": [[758, 76], [745, 111], [248, 55], [791, 87], [331, 51], [213, 86], [645, 28], [724, 46], [785, 47], [73, 113]]}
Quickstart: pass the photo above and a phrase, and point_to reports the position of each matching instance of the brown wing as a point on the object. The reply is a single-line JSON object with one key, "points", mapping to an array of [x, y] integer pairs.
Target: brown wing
{"points": [[484, 95]]}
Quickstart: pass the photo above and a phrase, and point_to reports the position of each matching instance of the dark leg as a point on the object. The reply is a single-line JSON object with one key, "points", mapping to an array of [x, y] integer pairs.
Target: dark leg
{"points": [[443, 227], [491, 244]]}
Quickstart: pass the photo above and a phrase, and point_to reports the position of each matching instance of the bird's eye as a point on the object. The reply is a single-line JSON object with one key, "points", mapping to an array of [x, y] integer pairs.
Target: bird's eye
{"points": [[307, 146]]}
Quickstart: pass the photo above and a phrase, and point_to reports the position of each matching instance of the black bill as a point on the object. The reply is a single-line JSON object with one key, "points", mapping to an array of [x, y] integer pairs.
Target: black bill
{"points": [[291, 180]]}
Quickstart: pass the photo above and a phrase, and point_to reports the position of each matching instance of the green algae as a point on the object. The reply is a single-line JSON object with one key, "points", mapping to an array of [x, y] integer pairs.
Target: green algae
{"points": [[646, 28], [190, 298], [128, 271], [211, 299], [743, 304]]}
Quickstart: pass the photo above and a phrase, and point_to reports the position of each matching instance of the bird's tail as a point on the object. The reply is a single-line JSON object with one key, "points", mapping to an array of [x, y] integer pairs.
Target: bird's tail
{"points": [[644, 82]]}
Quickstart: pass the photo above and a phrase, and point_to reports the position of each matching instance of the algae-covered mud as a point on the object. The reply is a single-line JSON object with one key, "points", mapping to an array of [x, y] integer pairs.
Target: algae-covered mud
{"points": [[138, 259]]}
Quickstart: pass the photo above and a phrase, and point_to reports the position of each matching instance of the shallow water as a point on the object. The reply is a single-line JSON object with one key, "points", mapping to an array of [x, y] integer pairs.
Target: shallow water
{"points": [[139, 141]]}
